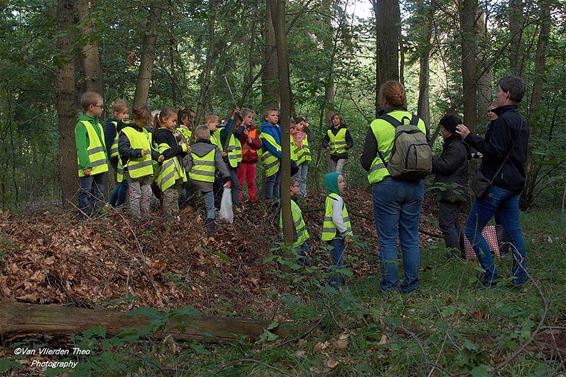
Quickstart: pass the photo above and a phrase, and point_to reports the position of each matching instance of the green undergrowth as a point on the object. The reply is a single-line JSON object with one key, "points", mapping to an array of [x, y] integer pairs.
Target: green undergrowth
{"points": [[447, 327]]}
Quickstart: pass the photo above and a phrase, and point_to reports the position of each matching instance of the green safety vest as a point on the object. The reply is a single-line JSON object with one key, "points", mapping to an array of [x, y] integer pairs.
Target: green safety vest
{"points": [[95, 150], [384, 132], [170, 171], [141, 166], [302, 153], [301, 232], [328, 227], [204, 168], [269, 161], [234, 151], [337, 142]]}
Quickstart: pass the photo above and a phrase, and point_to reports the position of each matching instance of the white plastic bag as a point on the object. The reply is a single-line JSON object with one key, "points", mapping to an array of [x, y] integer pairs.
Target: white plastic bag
{"points": [[226, 214]]}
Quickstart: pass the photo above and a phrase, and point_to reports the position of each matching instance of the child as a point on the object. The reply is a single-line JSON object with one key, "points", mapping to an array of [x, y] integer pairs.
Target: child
{"points": [[271, 153], [112, 127], [337, 140], [451, 170], [301, 150], [92, 155], [171, 175], [134, 146], [251, 142], [336, 229], [211, 122], [301, 234], [204, 160], [185, 117], [233, 156]]}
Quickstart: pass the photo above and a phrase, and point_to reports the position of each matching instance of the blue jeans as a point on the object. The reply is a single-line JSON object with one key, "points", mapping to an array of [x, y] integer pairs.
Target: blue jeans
{"points": [[273, 186], [396, 209], [91, 194], [337, 255], [209, 204], [301, 177], [235, 187], [118, 195], [504, 205]]}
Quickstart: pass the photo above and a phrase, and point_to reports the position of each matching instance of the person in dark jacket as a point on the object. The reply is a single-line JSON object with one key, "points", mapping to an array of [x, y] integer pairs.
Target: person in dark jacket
{"points": [[337, 141], [451, 180], [504, 151]]}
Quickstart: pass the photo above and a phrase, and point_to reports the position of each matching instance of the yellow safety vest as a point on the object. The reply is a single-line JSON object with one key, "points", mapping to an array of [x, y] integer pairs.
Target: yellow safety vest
{"points": [[114, 147], [141, 166], [328, 227], [95, 150], [384, 133], [186, 133], [171, 170], [302, 153], [301, 232], [204, 168], [234, 151], [337, 142], [270, 162]]}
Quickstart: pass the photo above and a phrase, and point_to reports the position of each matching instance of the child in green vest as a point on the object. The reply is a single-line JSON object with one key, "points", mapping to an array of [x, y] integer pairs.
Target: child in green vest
{"points": [[336, 229], [300, 232]]}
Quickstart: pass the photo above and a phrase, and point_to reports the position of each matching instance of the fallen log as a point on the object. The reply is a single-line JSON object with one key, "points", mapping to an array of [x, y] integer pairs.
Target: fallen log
{"points": [[18, 319]]}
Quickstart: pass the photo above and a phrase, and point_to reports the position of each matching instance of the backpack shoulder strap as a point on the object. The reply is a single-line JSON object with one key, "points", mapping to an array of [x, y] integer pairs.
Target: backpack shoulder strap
{"points": [[391, 120], [415, 120]]}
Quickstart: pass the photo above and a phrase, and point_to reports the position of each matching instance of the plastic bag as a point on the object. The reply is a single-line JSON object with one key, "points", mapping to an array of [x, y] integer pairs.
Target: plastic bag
{"points": [[226, 214]]}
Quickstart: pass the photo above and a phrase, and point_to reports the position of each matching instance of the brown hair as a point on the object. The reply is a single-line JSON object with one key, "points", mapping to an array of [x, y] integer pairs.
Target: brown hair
{"points": [[142, 113], [245, 111], [202, 132], [270, 109], [163, 114], [392, 94], [88, 99], [209, 117], [119, 106]]}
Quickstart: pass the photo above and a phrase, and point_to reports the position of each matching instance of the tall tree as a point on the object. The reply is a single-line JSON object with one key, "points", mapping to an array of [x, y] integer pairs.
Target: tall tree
{"points": [[468, 10], [516, 30], [66, 100], [203, 99], [277, 8], [90, 56], [425, 14], [148, 54], [269, 78], [485, 78]]}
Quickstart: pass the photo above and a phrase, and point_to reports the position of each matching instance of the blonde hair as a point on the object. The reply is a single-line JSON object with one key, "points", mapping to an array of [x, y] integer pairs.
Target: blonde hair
{"points": [[211, 117], [119, 106], [202, 132]]}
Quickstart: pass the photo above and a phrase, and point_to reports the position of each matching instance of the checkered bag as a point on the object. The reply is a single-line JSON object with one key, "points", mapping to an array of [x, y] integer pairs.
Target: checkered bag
{"points": [[490, 235]]}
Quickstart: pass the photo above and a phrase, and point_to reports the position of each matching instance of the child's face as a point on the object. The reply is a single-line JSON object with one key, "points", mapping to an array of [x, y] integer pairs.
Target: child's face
{"points": [[294, 188], [185, 121], [248, 119], [212, 125], [341, 184], [121, 115], [170, 122], [272, 117]]}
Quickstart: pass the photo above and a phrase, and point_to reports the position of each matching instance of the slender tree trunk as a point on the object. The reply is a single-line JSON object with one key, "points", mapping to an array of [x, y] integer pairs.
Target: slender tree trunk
{"points": [[269, 79], [516, 30], [388, 28], [251, 60], [486, 78], [204, 97], [277, 8], [147, 54], [468, 12], [90, 56], [66, 102], [423, 106]]}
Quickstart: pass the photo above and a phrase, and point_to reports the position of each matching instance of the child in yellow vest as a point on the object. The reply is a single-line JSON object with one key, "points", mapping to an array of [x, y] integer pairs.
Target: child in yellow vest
{"points": [[336, 229], [300, 232]]}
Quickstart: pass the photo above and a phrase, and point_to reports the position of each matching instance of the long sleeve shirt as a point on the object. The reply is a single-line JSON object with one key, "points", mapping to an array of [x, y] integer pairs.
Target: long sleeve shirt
{"points": [[337, 218], [275, 131]]}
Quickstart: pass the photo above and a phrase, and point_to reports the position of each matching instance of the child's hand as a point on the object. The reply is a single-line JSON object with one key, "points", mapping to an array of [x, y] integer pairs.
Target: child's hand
{"points": [[224, 154], [236, 111], [161, 158], [348, 241], [144, 152], [87, 171], [228, 184]]}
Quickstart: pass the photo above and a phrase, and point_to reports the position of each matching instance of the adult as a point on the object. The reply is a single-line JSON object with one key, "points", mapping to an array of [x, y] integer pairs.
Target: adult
{"points": [[337, 141], [397, 203], [504, 150]]}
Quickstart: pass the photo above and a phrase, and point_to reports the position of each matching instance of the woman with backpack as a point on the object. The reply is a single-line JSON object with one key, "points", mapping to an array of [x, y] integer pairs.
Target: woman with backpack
{"points": [[397, 194]]}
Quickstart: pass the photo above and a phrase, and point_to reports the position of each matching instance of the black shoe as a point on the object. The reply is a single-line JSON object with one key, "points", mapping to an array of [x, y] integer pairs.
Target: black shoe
{"points": [[488, 281], [210, 226]]}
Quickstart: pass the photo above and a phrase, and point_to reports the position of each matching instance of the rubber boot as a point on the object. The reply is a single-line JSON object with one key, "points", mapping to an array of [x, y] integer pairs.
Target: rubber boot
{"points": [[210, 226]]}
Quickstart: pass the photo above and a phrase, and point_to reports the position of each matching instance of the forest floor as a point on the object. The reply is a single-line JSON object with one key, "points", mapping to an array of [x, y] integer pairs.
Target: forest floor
{"points": [[449, 326]]}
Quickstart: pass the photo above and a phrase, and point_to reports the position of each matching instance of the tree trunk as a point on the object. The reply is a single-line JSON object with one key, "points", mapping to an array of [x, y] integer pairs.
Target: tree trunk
{"points": [[388, 30], [66, 102], [90, 56], [468, 12], [277, 8], [423, 106], [486, 77], [269, 78], [204, 97], [516, 30], [147, 54]]}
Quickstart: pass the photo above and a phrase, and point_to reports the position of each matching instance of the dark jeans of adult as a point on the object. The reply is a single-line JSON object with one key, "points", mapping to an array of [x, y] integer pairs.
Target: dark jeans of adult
{"points": [[448, 221], [396, 209], [91, 193], [505, 205]]}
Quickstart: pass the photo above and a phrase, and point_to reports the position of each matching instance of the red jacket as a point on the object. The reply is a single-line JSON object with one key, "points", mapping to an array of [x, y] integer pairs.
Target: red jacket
{"points": [[250, 143]]}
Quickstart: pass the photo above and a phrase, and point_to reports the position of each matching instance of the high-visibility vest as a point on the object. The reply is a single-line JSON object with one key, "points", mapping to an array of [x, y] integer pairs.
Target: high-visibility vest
{"points": [[141, 166], [269, 161], [114, 147], [328, 227], [204, 167], [95, 150], [171, 169], [384, 133], [337, 142], [301, 232], [186, 133], [246, 149], [302, 153], [234, 151], [215, 139]]}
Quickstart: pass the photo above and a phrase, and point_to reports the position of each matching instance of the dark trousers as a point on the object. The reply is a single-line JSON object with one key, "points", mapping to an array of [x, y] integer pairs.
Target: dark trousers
{"points": [[91, 194], [449, 222]]}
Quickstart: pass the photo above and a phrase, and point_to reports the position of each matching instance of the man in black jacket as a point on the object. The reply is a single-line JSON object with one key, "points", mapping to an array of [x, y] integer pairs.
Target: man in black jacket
{"points": [[451, 180], [504, 150]]}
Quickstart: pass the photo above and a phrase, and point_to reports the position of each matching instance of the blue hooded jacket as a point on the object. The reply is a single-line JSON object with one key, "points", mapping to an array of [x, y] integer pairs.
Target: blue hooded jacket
{"points": [[275, 132]]}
